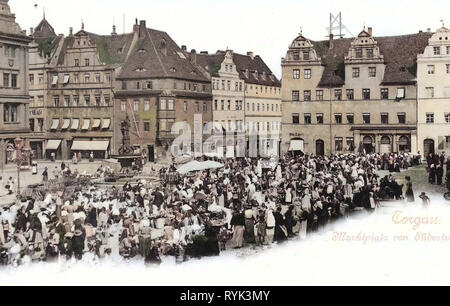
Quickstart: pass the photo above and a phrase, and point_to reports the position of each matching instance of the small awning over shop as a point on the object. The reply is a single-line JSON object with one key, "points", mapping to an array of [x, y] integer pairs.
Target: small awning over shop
{"points": [[87, 145], [96, 124], [53, 144], [106, 123], [296, 145], [86, 124], [66, 124], [55, 124], [75, 124]]}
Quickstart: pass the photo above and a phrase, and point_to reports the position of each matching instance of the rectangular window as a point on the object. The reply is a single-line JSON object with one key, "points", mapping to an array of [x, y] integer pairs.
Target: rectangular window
{"points": [[146, 105], [307, 73], [430, 69], [215, 105], [448, 50], [5, 79], [185, 106], [229, 85], [86, 62], [366, 94], [205, 106], [350, 94], [97, 78], [369, 52], [197, 107], [430, 92], [170, 104], [163, 104], [56, 101], [87, 100], [66, 101], [430, 117], [146, 126], [10, 112], [296, 56], [124, 85], [87, 78], [384, 93], [77, 62], [136, 105], [97, 101], [437, 50], [401, 118], [447, 117], [296, 73], [350, 144], [222, 104], [14, 80], [372, 72], [338, 94], [319, 118], [338, 118], [307, 95], [107, 100], [447, 68], [350, 118], [295, 95], [401, 93], [366, 118], [359, 53], [76, 100], [384, 118], [40, 78], [31, 78], [355, 72], [295, 118], [229, 105], [319, 95], [307, 118], [338, 144], [123, 106], [306, 55], [223, 84]]}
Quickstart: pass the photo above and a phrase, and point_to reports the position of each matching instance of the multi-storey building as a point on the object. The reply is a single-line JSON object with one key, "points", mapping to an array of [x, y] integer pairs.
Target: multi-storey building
{"points": [[14, 97], [433, 79], [227, 88], [41, 59], [157, 86], [351, 95], [80, 98]]}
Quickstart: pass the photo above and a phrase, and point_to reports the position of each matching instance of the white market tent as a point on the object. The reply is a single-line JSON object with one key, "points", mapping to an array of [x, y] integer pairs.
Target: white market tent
{"points": [[199, 166]]}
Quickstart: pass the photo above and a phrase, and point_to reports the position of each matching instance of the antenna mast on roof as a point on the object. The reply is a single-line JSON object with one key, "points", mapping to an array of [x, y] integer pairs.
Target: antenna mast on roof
{"points": [[336, 24]]}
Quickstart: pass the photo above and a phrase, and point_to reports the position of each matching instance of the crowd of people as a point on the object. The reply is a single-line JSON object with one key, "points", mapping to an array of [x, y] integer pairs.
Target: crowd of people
{"points": [[199, 214]]}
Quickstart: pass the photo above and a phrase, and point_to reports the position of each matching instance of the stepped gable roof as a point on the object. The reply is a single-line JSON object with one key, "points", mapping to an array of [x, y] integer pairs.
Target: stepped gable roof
{"points": [[156, 55], [400, 56]]}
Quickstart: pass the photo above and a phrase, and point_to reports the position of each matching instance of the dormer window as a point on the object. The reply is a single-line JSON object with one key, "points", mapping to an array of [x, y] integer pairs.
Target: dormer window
{"points": [[120, 50], [306, 55], [173, 69], [141, 69], [296, 56], [141, 51]]}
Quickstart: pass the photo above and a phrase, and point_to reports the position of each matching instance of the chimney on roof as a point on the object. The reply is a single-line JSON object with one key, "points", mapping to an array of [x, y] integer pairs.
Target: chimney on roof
{"points": [[70, 31], [193, 57], [331, 41], [369, 30], [250, 53], [183, 48], [203, 52], [142, 28]]}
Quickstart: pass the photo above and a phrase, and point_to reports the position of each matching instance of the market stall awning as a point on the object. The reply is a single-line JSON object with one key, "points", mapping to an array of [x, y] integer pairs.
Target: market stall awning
{"points": [[296, 145], [96, 124], [53, 144], [106, 123], [90, 145], [199, 166], [55, 124], [66, 124], [75, 124], [86, 124]]}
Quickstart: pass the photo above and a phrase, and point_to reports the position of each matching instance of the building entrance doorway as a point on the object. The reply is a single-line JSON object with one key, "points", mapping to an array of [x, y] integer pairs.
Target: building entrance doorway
{"points": [[428, 147], [320, 147]]}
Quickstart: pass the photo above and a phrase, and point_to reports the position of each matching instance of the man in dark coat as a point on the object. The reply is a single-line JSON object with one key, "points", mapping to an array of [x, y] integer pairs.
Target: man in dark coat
{"points": [[279, 222]]}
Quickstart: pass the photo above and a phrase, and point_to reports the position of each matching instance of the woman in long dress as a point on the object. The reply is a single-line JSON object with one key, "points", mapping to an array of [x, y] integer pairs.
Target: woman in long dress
{"points": [[238, 224], [409, 195]]}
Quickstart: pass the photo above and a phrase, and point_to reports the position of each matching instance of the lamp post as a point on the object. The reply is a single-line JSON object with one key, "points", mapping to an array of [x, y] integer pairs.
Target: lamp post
{"points": [[19, 154]]}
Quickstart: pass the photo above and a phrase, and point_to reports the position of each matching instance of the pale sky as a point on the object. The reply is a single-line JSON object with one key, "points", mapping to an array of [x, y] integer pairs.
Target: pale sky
{"points": [[265, 27]]}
